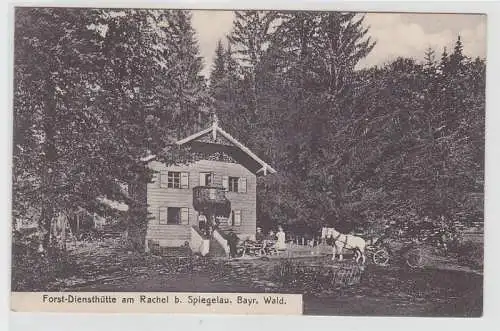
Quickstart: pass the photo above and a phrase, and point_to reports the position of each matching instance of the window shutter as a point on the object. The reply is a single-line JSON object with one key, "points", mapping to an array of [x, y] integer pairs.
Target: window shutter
{"points": [[163, 179], [162, 215], [237, 217], [230, 219], [184, 215], [156, 179], [184, 179], [242, 185], [225, 182], [202, 179]]}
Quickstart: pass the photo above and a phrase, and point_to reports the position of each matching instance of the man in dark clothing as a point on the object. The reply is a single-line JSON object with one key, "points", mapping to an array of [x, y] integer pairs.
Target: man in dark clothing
{"points": [[202, 223], [259, 236], [233, 242]]}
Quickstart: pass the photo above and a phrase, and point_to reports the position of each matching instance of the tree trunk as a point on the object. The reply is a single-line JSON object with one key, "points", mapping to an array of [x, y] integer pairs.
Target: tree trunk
{"points": [[48, 168], [137, 216]]}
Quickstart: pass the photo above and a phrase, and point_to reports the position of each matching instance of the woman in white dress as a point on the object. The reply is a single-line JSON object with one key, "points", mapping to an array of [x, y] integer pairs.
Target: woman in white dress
{"points": [[281, 239]]}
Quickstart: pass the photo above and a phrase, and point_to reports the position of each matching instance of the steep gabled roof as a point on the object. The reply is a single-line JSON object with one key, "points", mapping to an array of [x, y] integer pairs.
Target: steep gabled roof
{"points": [[214, 130], [194, 136]]}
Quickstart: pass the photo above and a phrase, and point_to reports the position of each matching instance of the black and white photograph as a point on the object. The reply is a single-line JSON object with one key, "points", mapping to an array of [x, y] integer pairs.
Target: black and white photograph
{"points": [[335, 155]]}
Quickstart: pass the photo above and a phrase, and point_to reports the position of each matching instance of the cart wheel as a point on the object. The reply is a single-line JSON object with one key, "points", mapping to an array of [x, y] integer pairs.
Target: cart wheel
{"points": [[415, 258], [381, 257]]}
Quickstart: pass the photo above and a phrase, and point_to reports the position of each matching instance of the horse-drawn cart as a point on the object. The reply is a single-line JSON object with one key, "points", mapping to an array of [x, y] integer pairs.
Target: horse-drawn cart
{"points": [[250, 248], [421, 254], [415, 252], [378, 253]]}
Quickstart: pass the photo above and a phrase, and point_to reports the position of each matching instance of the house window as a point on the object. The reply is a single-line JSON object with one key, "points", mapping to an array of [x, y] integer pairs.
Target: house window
{"points": [[174, 215], [235, 219], [174, 179], [206, 178], [235, 184]]}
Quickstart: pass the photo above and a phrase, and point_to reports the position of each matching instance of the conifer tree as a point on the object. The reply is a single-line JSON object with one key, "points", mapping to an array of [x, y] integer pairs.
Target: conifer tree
{"points": [[445, 60], [429, 58], [457, 57], [218, 72]]}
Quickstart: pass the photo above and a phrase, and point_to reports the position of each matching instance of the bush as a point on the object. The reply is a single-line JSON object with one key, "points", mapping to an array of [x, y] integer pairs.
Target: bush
{"points": [[32, 271]]}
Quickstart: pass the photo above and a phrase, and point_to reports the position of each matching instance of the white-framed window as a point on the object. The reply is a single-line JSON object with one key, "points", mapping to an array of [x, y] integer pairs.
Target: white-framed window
{"points": [[235, 218], [174, 179], [173, 215], [235, 184]]}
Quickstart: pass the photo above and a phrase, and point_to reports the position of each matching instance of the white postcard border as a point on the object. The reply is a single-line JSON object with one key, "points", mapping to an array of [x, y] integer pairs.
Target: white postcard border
{"points": [[36, 321]]}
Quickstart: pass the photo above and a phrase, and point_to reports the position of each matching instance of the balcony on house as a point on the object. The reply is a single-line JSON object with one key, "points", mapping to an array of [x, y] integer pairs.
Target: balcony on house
{"points": [[211, 200]]}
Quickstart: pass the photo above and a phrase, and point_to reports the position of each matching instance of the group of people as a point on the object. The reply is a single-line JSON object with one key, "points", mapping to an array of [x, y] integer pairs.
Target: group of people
{"points": [[207, 226], [277, 239]]}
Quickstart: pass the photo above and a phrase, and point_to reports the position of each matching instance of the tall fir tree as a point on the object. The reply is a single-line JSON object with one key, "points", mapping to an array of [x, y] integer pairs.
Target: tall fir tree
{"points": [[457, 57], [218, 71], [444, 61], [429, 59], [295, 66], [250, 38]]}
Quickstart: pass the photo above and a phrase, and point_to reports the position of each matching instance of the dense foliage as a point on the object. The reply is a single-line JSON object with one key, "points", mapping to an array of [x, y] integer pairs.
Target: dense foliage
{"points": [[96, 91], [352, 147]]}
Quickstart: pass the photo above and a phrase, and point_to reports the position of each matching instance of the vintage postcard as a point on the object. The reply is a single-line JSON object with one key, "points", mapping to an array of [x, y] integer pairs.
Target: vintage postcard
{"points": [[248, 162]]}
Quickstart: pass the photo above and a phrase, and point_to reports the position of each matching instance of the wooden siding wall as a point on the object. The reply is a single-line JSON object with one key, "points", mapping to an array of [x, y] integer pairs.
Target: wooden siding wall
{"points": [[169, 197]]}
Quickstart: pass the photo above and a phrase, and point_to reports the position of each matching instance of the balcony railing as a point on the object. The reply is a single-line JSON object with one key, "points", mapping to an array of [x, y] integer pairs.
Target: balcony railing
{"points": [[211, 201]]}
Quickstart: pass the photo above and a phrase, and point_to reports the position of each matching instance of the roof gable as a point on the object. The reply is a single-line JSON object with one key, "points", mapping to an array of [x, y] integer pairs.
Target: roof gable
{"points": [[219, 139], [215, 135]]}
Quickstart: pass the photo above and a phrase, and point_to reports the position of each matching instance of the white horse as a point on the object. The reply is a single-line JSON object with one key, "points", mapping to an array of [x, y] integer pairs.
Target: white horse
{"points": [[347, 241]]}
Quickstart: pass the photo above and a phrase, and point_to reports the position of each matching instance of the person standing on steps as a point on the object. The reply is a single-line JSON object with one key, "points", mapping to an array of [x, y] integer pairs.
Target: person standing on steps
{"points": [[203, 225], [232, 241]]}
